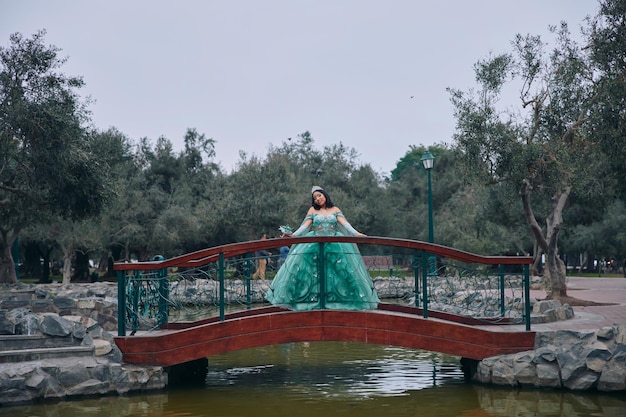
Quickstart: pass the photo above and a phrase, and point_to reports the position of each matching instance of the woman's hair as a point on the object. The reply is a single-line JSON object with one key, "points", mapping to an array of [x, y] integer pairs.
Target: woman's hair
{"points": [[329, 201]]}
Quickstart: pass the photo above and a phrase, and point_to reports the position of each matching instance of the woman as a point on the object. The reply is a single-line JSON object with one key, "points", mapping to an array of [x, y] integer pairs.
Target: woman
{"points": [[347, 282]]}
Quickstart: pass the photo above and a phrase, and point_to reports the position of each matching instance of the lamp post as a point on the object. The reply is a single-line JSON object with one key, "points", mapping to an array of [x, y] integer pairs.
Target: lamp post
{"points": [[428, 160]]}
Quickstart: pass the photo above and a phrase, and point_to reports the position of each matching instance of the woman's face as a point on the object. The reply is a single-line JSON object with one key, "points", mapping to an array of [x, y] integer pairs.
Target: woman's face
{"points": [[319, 199]]}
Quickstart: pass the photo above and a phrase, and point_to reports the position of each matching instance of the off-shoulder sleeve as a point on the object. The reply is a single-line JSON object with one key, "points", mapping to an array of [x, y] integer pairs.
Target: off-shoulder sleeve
{"points": [[303, 228], [347, 226]]}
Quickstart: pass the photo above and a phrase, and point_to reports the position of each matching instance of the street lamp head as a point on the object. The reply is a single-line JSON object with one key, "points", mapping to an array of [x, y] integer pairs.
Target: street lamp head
{"points": [[427, 159]]}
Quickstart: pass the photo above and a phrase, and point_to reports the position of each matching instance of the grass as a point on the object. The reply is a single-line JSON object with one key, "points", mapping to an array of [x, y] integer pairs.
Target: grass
{"points": [[594, 275]]}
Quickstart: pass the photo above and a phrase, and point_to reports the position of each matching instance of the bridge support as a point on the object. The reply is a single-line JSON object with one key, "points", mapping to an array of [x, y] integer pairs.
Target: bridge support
{"points": [[188, 373], [469, 368]]}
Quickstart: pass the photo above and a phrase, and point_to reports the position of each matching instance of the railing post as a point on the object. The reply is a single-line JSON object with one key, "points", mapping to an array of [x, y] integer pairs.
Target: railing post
{"points": [[221, 278], [425, 271], [527, 296], [121, 303], [321, 272], [501, 290], [164, 296], [248, 289], [416, 278], [164, 290], [134, 288]]}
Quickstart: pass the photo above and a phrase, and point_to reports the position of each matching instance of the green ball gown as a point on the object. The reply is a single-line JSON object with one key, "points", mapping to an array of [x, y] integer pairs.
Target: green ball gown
{"points": [[349, 286]]}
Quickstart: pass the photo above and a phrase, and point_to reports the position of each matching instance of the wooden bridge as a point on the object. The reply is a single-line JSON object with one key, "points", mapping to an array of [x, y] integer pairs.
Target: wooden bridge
{"points": [[410, 326], [389, 325]]}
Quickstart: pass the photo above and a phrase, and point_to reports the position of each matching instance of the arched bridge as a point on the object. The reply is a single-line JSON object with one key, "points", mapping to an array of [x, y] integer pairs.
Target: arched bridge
{"points": [[272, 325], [467, 292]]}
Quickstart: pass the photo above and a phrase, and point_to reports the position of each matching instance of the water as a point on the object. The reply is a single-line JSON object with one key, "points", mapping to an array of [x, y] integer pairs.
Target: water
{"points": [[335, 379]]}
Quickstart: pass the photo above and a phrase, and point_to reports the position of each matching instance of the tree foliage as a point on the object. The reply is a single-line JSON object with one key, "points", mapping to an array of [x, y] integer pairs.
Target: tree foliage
{"points": [[606, 34], [540, 150], [47, 166], [547, 149]]}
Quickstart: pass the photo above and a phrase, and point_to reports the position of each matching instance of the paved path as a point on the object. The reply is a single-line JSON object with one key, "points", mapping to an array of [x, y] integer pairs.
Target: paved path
{"points": [[600, 290]]}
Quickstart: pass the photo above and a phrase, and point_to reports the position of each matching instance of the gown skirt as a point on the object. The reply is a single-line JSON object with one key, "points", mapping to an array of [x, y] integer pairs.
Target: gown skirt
{"points": [[347, 284]]}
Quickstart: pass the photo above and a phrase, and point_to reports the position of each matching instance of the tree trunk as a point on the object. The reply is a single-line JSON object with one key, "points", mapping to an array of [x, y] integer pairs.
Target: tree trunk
{"points": [[7, 263], [554, 271], [116, 255], [554, 277], [81, 267], [535, 268], [67, 265], [45, 267], [583, 261]]}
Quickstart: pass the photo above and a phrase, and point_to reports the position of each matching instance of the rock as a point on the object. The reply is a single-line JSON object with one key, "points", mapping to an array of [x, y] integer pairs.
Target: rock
{"points": [[548, 375], [502, 373], [524, 368], [541, 307], [620, 337], [89, 387], [86, 303], [483, 371], [6, 325], [55, 325], [596, 357], [545, 354], [74, 374], [28, 325], [52, 389], [582, 382], [570, 366], [102, 347], [613, 377], [37, 379], [84, 321], [64, 302], [564, 313], [605, 333]]}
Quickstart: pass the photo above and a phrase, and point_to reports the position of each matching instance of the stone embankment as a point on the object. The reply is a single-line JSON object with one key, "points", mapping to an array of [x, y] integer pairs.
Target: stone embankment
{"points": [[573, 360], [57, 343]]}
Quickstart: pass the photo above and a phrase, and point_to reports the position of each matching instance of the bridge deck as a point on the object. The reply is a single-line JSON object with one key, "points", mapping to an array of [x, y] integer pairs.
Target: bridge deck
{"points": [[184, 342]]}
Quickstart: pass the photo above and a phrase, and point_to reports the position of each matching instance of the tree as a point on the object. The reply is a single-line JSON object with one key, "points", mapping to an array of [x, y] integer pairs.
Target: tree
{"points": [[46, 166], [607, 49], [160, 196], [540, 150]]}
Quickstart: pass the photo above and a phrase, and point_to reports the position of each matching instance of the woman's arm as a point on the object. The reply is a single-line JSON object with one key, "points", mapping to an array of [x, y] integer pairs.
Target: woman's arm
{"points": [[306, 223], [342, 220]]}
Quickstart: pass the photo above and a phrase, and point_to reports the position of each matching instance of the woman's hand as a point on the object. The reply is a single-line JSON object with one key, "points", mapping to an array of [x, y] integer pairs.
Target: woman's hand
{"points": [[285, 231]]}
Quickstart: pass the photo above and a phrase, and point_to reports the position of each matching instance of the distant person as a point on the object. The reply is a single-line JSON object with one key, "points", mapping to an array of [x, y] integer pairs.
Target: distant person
{"points": [[261, 260], [284, 251]]}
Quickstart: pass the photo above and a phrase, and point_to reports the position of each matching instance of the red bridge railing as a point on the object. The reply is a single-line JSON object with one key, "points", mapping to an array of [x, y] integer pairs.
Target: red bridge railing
{"points": [[490, 288]]}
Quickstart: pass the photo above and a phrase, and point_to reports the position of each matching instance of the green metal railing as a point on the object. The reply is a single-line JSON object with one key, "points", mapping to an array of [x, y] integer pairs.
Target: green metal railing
{"points": [[207, 283]]}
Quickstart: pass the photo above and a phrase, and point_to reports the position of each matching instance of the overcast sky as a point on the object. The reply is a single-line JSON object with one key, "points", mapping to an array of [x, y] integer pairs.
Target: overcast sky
{"points": [[371, 74]]}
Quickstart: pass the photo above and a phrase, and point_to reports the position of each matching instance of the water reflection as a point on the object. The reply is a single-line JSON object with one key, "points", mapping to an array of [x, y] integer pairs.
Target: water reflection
{"points": [[341, 370], [335, 379], [506, 402]]}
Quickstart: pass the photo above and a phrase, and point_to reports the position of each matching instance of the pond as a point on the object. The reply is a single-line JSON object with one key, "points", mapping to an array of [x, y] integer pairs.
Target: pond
{"points": [[335, 379]]}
